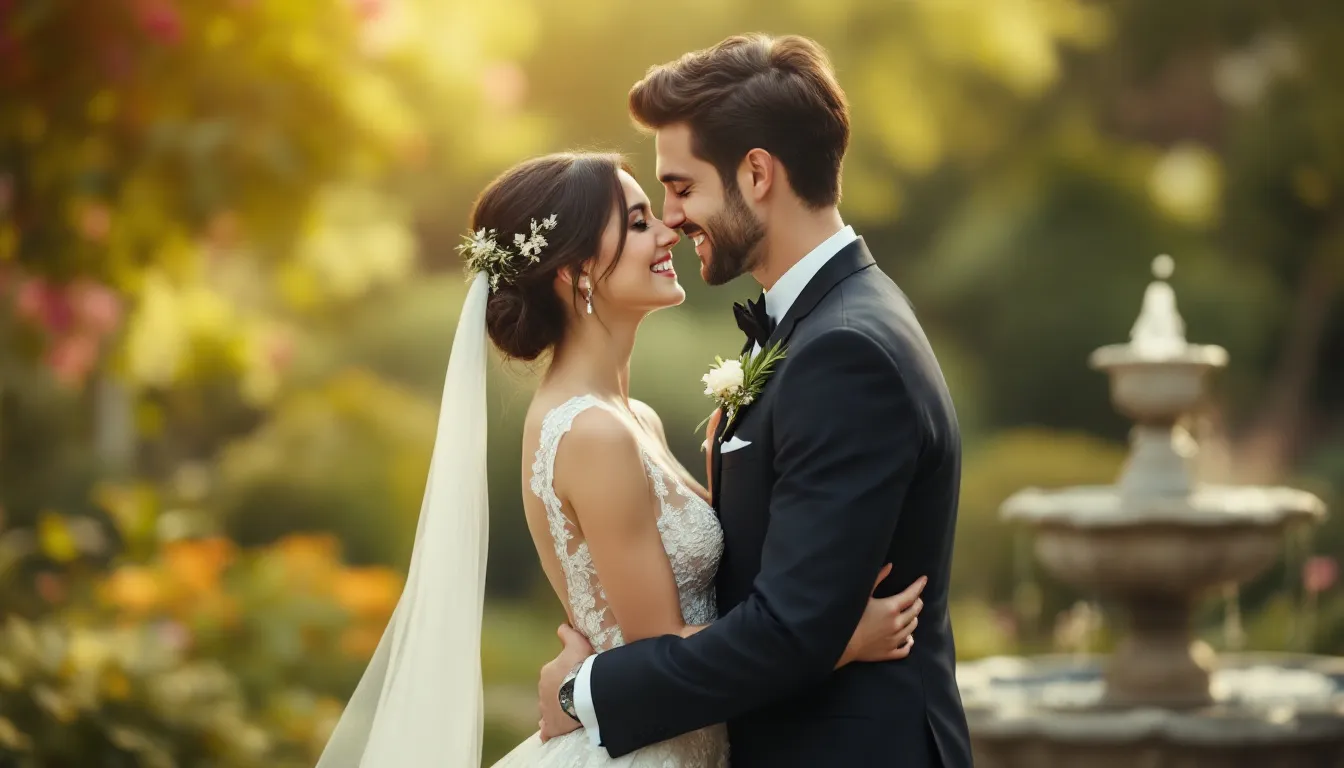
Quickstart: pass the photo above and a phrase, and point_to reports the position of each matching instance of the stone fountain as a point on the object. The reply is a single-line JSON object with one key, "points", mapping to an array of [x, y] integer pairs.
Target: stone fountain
{"points": [[1153, 544]]}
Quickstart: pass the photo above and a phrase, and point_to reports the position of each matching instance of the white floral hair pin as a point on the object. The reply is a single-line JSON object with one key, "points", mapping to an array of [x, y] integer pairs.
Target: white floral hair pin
{"points": [[502, 265]]}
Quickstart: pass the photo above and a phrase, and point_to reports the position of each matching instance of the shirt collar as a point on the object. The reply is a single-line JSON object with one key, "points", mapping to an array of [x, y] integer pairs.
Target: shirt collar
{"points": [[791, 284]]}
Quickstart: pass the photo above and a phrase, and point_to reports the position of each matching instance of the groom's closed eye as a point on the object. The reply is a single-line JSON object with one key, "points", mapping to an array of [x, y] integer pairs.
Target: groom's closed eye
{"points": [[676, 184]]}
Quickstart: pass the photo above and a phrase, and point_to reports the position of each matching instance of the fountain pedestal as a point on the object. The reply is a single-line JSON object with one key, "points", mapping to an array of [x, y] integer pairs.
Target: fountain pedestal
{"points": [[1154, 543], [1159, 662]]}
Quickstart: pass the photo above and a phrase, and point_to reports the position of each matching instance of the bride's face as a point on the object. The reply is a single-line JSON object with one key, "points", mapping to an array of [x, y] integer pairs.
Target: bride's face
{"points": [[643, 279]]}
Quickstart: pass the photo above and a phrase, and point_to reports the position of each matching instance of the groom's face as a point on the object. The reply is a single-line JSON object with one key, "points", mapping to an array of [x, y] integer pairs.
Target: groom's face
{"points": [[727, 234]]}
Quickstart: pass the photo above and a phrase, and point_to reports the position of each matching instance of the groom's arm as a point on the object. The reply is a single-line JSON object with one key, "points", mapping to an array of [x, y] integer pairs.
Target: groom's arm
{"points": [[847, 438]]}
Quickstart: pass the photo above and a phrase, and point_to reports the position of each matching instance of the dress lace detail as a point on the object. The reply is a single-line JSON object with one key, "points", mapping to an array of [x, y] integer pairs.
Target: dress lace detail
{"points": [[689, 530], [694, 544]]}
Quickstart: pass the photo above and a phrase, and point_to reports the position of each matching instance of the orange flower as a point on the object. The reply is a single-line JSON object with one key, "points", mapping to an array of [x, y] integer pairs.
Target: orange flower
{"points": [[198, 564], [368, 592], [133, 588]]}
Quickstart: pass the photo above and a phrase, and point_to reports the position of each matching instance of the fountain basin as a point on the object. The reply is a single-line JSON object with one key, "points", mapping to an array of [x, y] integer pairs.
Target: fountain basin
{"points": [[1099, 538], [1161, 386], [1156, 556], [1207, 506], [1143, 547], [1272, 710]]}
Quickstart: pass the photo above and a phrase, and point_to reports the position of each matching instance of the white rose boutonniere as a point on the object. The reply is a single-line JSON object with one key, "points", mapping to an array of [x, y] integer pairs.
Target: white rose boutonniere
{"points": [[724, 379], [734, 384]]}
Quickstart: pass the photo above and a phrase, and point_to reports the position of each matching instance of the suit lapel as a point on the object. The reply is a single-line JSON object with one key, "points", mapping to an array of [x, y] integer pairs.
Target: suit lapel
{"points": [[850, 259]]}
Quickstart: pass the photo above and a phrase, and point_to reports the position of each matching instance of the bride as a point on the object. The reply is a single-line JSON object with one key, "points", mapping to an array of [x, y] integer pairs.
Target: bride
{"points": [[567, 259]]}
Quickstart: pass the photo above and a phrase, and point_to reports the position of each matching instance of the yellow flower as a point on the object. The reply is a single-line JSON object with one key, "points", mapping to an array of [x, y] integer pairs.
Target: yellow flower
{"points": [[54, 534], [156, 337], [309, 559], [116, 685], [86, 651]]}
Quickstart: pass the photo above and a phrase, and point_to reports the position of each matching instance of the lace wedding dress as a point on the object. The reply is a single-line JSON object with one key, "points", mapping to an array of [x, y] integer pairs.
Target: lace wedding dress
{"points": [[694, 544]]}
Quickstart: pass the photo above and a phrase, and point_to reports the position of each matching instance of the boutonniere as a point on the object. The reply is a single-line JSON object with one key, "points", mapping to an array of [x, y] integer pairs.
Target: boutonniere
{"points": [[734, 384]]}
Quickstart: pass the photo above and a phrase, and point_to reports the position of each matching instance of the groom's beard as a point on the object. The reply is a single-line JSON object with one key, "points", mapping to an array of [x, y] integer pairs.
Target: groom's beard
{"points": [[735, 235]]}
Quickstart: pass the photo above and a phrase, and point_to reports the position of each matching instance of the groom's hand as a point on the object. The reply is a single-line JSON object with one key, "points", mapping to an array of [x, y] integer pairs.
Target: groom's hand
{"points": [[554, 720]]}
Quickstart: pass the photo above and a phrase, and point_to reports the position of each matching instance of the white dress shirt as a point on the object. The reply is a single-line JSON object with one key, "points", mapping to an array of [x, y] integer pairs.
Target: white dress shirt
{"points": [[790, 285], [778, 300]]}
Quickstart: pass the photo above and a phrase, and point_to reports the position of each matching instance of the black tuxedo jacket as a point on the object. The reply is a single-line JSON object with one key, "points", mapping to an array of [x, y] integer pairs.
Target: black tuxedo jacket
{"points": [[854, 461]]}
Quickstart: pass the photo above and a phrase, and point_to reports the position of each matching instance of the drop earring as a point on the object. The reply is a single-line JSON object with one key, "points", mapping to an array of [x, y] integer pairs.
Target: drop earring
{"points": [[589, 288]]}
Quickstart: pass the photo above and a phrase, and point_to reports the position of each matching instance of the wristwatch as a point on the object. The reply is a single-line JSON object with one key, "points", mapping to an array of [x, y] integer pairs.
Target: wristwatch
{"points": [[567, 693]]}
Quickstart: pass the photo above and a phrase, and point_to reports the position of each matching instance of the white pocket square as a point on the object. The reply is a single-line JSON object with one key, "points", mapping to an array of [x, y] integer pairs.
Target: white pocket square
{"points": [[734, 443]]}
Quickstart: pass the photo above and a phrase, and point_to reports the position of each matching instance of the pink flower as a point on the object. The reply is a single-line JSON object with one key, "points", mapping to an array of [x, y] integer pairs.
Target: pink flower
{"points": [[46, 305], [162, 21], [98, 307], [50, 587], [71, 358], [224, 230], [504, 86], [280, 350], [173, 635], [30, 299], [367, 9], [1319, 573]]}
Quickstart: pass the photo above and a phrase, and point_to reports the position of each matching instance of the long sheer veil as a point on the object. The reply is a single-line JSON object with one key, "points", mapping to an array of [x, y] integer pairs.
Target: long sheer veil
{"points": [[419, 702]]}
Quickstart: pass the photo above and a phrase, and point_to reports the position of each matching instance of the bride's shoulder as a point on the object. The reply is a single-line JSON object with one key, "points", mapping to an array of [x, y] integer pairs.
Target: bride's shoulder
{"points": [[551, 406], [599, 450], [596, 433], [645, 413], [583, 421]]}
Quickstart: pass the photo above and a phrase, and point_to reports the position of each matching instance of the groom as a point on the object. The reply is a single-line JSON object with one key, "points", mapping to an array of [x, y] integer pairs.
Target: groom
{"points": [[849, 459]]}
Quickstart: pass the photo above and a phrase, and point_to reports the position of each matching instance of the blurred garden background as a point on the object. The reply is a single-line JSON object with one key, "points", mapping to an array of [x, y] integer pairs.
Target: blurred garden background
{"points": [[228, 291]]}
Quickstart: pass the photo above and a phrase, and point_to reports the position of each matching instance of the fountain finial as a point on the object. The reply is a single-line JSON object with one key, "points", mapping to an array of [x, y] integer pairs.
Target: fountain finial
{"points": [[1159, 332], [1163, 266]]}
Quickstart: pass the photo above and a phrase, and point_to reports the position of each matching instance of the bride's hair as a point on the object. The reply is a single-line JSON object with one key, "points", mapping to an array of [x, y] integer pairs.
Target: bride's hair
{"points": [[524, 316]]}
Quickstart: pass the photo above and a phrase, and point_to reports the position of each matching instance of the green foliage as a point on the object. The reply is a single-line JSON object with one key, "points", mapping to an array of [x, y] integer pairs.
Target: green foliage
{"points": [[71, 693], [348, 457], [994, 571], [196, 657]]}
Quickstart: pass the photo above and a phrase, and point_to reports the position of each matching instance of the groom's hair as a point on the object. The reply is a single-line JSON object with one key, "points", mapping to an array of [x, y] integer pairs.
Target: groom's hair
{"points": [[755, 91]]}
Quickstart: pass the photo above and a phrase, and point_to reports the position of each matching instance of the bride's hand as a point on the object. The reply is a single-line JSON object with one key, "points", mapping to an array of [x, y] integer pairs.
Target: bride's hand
{"points": [[886, 630], [712, 427], [554, 720]]}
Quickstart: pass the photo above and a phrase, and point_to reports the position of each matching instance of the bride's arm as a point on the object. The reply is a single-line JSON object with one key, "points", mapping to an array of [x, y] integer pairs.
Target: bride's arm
{"points": [[600, 472]]}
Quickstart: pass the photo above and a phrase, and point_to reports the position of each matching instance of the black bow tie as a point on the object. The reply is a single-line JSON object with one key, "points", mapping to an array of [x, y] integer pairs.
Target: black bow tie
{"points": [[754, 321]]}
